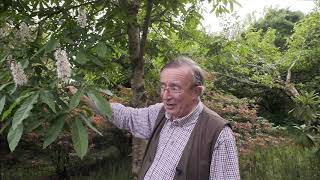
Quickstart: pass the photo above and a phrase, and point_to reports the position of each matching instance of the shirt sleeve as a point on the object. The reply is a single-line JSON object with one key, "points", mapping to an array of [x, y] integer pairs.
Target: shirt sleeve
{"points": [[139, 121], [224, 163]]}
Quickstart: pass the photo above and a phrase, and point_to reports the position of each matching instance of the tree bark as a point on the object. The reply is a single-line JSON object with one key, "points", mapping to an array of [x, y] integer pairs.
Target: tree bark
{"points": [[289, 87], [136, 54]]}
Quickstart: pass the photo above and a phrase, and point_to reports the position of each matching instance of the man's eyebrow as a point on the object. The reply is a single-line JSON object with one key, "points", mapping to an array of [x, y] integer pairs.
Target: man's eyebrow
{"points": [[170, 83]]}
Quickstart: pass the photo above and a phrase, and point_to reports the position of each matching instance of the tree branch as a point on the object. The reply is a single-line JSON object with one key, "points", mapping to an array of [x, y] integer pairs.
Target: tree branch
{"points": [[157, 18], [288, 78], [145, 28], [49, 13]]}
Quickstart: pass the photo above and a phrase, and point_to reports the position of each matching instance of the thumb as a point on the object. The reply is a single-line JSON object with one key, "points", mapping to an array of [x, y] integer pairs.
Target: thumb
{"points": [[71, 90]]}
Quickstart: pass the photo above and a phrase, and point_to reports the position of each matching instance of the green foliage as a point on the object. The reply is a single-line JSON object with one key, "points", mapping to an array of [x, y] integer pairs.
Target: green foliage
{"points": [[79, 137], [14, 136], [75, 99], [307, 107], [102, 105], [51, 45], [89, 124], [304, 52], [53, 131], [246, 62], [2, 103], [253, 66], [225, 6], [24, 110], [13, 105], [48, 98], [43, 100], [283, 21], [304, 135]]}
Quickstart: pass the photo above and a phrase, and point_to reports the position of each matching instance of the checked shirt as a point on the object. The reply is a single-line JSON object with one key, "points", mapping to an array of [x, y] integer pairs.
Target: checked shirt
{"points": [[173, 139]]}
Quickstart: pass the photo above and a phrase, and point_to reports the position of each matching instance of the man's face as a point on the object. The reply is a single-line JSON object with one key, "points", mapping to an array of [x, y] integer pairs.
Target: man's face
{"points": [[178, 94]]}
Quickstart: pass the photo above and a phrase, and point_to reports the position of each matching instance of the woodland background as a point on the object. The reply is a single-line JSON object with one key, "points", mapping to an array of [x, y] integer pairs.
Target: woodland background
{"points": [[263, 76]]}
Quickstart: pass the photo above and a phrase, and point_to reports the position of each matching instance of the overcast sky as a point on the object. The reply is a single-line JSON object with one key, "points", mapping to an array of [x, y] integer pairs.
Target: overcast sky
{"points": [[257, 6]]}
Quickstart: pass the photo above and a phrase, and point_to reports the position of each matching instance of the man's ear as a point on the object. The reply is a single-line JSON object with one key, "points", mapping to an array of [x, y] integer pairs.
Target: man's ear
{"points": [[199, 90]]}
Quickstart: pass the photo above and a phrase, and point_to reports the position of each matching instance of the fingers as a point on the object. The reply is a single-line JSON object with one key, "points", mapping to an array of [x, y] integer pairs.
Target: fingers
{"points": [[71, 90]]}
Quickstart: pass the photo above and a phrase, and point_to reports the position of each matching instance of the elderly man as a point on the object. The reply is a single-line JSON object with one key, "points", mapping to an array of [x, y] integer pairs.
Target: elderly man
{"points": [[186, 139]]}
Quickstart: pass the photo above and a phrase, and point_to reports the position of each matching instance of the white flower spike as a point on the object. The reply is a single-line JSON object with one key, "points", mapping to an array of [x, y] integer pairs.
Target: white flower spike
{"points": [[24, 32], [82, 18], [17, 72], [63, 65]]}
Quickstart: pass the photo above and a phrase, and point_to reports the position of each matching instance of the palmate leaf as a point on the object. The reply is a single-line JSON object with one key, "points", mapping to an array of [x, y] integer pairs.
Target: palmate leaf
{"points": [[75, 99], [2, 102], [103, 106], [47, 98], [53, 131], [51, 45], [5, 85], [96, 60], [79, 137], [14, 136], [90, 125], [24, 110], [13, 105], [4, 126], [101, 49], [81, 57], [33, 124]]}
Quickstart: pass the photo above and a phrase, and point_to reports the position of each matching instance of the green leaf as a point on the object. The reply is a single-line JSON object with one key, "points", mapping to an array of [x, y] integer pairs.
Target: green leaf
{"points": [[2, 102], [106, 91], [68, 40], [101, 49], [47, 98], [96, 61], [5, 85], [4, 126], [15, 103], [88, 122], [103, 106], [4, 58], [51, 45], [25, 64], [12, 90], [75, 100], [38, 52], [79, 137], [34, 124], [24, 110], [81, 58], [53, 132], [14, 136]]}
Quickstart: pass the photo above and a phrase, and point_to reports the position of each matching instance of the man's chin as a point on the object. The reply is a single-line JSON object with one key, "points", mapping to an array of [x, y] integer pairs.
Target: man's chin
{"points": [[171, 112]]}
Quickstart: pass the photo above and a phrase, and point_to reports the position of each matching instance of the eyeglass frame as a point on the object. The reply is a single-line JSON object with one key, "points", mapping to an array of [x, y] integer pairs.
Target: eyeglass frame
{"points": [[170, 89]]}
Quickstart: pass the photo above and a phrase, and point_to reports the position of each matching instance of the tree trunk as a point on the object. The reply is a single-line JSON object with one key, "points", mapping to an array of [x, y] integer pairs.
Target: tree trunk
{"points": [[136, 53]]}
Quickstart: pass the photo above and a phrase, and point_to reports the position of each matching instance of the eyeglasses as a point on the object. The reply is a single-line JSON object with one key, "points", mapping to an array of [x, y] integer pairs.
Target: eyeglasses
{"points": [[171, 89]]}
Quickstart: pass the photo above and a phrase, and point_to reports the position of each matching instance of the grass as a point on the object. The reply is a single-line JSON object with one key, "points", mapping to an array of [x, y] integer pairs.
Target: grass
{"points": [[114, 170], [287, 161], [283, 162], [107, 170]]}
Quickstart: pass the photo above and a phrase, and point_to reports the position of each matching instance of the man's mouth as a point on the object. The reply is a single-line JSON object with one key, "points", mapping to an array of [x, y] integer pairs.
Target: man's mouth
{"points": [[169, 106]]}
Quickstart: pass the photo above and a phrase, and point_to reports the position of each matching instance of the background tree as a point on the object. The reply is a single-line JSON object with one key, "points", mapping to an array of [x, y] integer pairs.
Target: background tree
{"points": [[283, 21], [253, 61]]}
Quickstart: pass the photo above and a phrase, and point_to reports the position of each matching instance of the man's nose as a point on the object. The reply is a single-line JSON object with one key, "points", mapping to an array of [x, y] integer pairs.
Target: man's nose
{"points": [[166, 94]]}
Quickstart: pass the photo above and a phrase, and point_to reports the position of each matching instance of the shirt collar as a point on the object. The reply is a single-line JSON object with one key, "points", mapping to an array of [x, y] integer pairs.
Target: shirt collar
{"points": [[191, 118]]}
